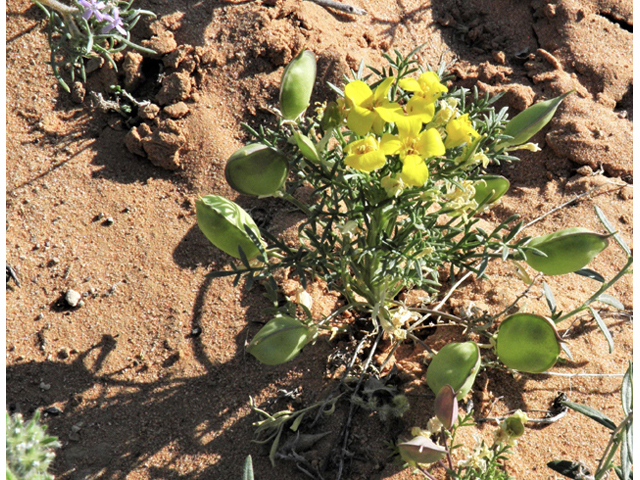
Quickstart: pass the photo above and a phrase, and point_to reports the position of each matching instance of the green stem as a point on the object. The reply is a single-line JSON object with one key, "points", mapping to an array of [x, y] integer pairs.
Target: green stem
{"points": [[605, 462], [59, 7], [601, 290]]}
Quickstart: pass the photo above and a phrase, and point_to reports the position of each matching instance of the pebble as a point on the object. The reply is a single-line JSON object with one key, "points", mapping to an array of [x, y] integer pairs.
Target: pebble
{"points": [[73, 298], [196, 331], [45, 386], [55, 411], [109, 221], [40, 316]]}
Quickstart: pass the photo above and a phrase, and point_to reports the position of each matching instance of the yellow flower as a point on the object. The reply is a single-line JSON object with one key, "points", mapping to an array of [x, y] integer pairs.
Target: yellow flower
{"points": [[365, 155], [459, 131], [426, 90], [369, 110], [413, 147]]}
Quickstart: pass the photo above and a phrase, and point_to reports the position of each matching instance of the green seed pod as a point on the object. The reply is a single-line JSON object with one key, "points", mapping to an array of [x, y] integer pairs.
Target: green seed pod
{"points": [[306, 146], [257, 170], [446, 406], [421, 450], [530, 121], [456, 364], [567, 250], [280, 340], [297, 84], [514, 424], [528, 343], [222, 222], [489, 188]]}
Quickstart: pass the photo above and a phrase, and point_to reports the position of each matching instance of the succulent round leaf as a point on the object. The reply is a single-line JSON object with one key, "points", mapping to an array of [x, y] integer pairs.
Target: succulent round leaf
{"points": [[297, 85], [223, 223], [489, 188], [256, 169], [457, 365], [280, 340], [528, 343], [566, 251]]}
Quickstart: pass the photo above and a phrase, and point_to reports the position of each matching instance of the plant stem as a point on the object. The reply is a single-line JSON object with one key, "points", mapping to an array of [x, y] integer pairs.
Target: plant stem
{"points": [[59, 7], [612, 446], [601, 290]]}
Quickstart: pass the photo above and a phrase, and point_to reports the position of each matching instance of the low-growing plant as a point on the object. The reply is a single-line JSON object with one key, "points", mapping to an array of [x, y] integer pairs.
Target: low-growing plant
{"points": [[397, 172], [86, 29], [621, 439], [29, 450]]}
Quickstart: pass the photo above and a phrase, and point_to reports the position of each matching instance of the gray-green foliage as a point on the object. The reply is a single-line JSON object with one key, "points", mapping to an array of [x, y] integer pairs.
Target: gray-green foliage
{"points": [[621, 438], [29, 449]]}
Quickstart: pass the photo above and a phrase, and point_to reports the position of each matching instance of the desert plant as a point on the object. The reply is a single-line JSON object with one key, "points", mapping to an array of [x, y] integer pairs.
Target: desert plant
{"points": [[29, 449], [621, 438], [89, 28], [397, 168]]}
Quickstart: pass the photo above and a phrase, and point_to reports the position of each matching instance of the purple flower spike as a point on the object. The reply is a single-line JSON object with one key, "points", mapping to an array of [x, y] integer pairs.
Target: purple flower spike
{"points": [[114, 21], [92, 7]]}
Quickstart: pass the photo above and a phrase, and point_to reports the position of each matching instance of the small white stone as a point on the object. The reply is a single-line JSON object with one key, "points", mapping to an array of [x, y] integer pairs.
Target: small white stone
{"points": [[72, 298]]}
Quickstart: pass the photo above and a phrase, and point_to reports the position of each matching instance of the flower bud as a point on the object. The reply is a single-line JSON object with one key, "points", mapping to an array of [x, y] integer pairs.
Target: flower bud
{"points": [[489, 188], [456, 364], [297, 84], [223, 223], [530, 121], [421, 450], [528, 343], [257, 170], [447, 406], [566, 251], [333, 116], [280, 340]]}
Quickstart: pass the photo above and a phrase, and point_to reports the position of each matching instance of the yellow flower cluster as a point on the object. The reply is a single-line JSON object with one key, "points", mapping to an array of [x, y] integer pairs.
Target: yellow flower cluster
{"points": [[368, 111]]}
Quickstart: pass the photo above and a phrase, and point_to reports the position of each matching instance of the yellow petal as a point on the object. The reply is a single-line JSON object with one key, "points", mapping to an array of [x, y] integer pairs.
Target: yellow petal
{"points": [[410, 85], [382, 90], [389, 112], [360, 120], [431, 86], [430, 144], [459, 130], [357, 92], [367, 162], [419, 107], [390, 144], [414, 171]]}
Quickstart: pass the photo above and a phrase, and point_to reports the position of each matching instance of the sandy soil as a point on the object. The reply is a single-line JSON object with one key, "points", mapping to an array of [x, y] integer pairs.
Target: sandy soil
{"points": [[150, 373]]}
